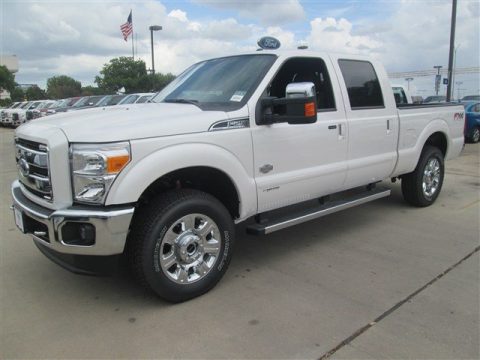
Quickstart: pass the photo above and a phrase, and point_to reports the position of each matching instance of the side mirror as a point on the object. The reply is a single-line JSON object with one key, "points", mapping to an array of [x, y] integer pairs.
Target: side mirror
{"points": [[298, 107], [90, 103]]}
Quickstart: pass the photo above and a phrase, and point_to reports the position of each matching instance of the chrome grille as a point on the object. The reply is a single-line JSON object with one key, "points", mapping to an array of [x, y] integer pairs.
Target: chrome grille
{"points": [[33, 169]]}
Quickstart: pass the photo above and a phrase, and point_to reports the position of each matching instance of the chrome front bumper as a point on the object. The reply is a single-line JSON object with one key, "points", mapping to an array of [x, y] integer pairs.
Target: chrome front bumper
{"points": [[111, 225]]}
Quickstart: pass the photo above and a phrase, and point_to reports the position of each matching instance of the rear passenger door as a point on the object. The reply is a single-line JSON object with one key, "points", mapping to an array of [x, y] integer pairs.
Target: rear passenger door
{"points": [[372, 121]]}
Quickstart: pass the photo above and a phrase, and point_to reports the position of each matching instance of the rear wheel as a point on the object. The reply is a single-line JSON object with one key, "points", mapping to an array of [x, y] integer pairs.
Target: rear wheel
{"points": [[422, 187], [181, 244], [475, 137]]}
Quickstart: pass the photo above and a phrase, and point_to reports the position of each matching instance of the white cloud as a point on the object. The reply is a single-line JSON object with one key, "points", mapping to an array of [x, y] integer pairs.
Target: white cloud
{"points": [[268, 12], [76, 39], [179, 15], [336, 36]]}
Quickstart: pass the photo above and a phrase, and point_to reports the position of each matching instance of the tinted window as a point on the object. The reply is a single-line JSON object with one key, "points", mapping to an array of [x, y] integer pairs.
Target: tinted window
{"points": [[362, 84], [298, 70]]}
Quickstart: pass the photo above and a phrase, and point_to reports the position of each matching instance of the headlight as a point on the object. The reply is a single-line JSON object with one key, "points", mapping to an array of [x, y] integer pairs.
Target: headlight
{"points": [[95, 167]]}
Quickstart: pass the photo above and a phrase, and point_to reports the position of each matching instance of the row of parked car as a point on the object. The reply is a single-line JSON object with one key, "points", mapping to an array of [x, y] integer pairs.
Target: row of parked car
{"points": [[20, 112]]}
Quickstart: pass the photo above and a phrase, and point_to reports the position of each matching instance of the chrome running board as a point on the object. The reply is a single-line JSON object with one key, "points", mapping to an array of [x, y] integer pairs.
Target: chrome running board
{"points": [[263, 228]]}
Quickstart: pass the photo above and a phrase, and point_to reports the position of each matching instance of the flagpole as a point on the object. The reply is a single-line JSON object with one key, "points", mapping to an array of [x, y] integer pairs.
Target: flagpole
{"points": [[133, 51]]}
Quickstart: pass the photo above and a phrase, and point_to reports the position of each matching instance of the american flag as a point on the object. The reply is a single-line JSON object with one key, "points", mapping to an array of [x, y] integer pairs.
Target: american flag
{"points": [[127, 28]]}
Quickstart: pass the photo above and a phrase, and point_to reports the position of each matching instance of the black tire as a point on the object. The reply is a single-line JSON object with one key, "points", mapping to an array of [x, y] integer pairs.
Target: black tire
{"points": [[412, 184], [475, 136], [150, 225]]}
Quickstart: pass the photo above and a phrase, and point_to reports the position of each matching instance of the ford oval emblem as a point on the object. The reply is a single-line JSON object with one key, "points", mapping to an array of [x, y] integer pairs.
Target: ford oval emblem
{"points": [[23, 167], [268, 43]]}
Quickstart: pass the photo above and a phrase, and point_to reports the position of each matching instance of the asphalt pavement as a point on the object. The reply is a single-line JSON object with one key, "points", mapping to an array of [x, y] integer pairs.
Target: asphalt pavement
{"points": [[383, 280]]}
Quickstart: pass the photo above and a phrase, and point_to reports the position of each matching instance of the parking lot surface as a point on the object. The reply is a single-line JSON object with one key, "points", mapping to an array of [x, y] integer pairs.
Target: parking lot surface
{"points": [[383, 280]]}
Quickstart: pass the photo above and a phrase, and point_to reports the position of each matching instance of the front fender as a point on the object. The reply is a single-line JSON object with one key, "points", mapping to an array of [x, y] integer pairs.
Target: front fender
{"points": [[136, 177]]}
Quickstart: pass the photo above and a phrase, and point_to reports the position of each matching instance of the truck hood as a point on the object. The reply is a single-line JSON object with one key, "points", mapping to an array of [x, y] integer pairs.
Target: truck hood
{"points": [[126, 122]]}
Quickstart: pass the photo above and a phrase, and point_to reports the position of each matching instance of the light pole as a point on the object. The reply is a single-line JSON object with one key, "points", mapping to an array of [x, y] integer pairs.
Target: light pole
{"points": [[454, 67], [408, 82], [152, 29], [437, 78]]}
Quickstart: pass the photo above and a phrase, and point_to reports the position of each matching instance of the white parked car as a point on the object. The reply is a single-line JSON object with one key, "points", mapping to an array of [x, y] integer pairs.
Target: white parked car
{"points": [[138, 98], [230, 139], [19, 116], [7, 114]]}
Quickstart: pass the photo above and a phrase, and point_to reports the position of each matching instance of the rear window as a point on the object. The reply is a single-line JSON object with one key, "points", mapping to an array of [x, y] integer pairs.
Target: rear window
{"points": [[362, 84]]}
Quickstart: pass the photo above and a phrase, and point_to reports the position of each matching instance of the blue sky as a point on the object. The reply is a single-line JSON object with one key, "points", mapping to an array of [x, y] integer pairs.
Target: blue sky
{"points": [[76, 38]]}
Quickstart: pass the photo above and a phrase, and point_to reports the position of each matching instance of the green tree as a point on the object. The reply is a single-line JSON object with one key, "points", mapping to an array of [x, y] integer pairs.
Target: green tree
{"points": [[5, 102], [35, 93], [123, 72], [61, 87], [17, 94], [7, 79], [159, 81], [92, 90]]}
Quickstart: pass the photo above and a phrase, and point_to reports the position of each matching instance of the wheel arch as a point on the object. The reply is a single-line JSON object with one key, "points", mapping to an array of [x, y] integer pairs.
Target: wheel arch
{"points": [[153, 172]]}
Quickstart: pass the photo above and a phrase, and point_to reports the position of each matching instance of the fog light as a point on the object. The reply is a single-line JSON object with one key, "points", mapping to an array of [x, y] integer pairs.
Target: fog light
{"points": [[80, 234]]}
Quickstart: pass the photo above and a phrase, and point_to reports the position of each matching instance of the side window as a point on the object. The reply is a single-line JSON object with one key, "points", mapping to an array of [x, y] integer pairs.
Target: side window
{"points": [[400, 97], [305, 70], [362, 84]]}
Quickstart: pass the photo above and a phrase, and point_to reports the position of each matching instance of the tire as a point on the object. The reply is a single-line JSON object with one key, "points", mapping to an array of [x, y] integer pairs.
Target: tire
{"points": [[422, 187], [171, 249], [475, 136]]}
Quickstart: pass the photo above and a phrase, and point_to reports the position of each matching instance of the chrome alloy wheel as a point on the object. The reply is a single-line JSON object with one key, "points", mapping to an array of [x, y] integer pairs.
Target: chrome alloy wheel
{"points": [[431, 177], [190, 248]]}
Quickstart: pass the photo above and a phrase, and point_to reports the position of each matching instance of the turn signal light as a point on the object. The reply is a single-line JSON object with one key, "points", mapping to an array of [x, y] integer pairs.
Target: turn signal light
{"points": [[310, 109], [116, 163]]}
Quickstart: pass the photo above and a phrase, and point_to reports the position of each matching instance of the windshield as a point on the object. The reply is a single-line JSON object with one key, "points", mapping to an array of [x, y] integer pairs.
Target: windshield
{"points": [[143, 99], [35, 105], [220, 84], [81, 102], [130, 99]]}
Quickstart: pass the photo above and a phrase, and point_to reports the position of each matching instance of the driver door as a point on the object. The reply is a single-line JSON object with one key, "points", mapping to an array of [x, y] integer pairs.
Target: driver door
{"points": [[295, 163]]}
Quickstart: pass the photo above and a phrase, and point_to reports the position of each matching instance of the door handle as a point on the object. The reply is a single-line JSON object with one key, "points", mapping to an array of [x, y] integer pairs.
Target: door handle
{"points": [[332, 127]]}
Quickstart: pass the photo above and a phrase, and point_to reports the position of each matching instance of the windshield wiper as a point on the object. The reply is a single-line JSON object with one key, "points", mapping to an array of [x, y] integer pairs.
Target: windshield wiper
{"points": [[182, 101]]}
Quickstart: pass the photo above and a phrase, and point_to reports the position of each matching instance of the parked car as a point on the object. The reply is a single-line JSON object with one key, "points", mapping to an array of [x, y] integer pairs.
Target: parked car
{"points": [[471, 98], [230, 139], [435, 99], [86, 102], [67, 104], [8, 119], [402, 95], [136, 98], [110, 100], [472, 121], [41, 110], [4, 112], [19, 116]]}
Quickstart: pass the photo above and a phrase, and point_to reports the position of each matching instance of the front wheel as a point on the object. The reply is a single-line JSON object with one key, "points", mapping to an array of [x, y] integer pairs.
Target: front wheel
{"points": [[181, 244], [422, 187]]}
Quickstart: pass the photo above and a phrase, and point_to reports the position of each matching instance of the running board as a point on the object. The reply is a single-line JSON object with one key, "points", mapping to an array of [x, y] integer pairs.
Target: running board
{"points": [[317, 212]]}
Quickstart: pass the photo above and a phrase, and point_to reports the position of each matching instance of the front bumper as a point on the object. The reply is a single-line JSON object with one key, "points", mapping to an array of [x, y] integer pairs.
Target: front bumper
{"points": [[111, 225]]}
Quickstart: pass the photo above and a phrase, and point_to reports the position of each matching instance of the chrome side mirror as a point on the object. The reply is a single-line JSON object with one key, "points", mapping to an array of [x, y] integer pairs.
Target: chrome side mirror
{"points": [[300, 90]]}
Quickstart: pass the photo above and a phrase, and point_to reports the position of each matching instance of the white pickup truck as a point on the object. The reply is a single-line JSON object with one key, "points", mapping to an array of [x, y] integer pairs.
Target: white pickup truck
{"points": [[274, 137]]}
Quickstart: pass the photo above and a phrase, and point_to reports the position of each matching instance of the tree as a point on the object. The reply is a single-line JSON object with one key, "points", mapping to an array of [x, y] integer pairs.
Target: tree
{"points": [[35, 93], [7, 79], [92, 90], [123, 72], [159, 81], [17, 94], [61, 87]]}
